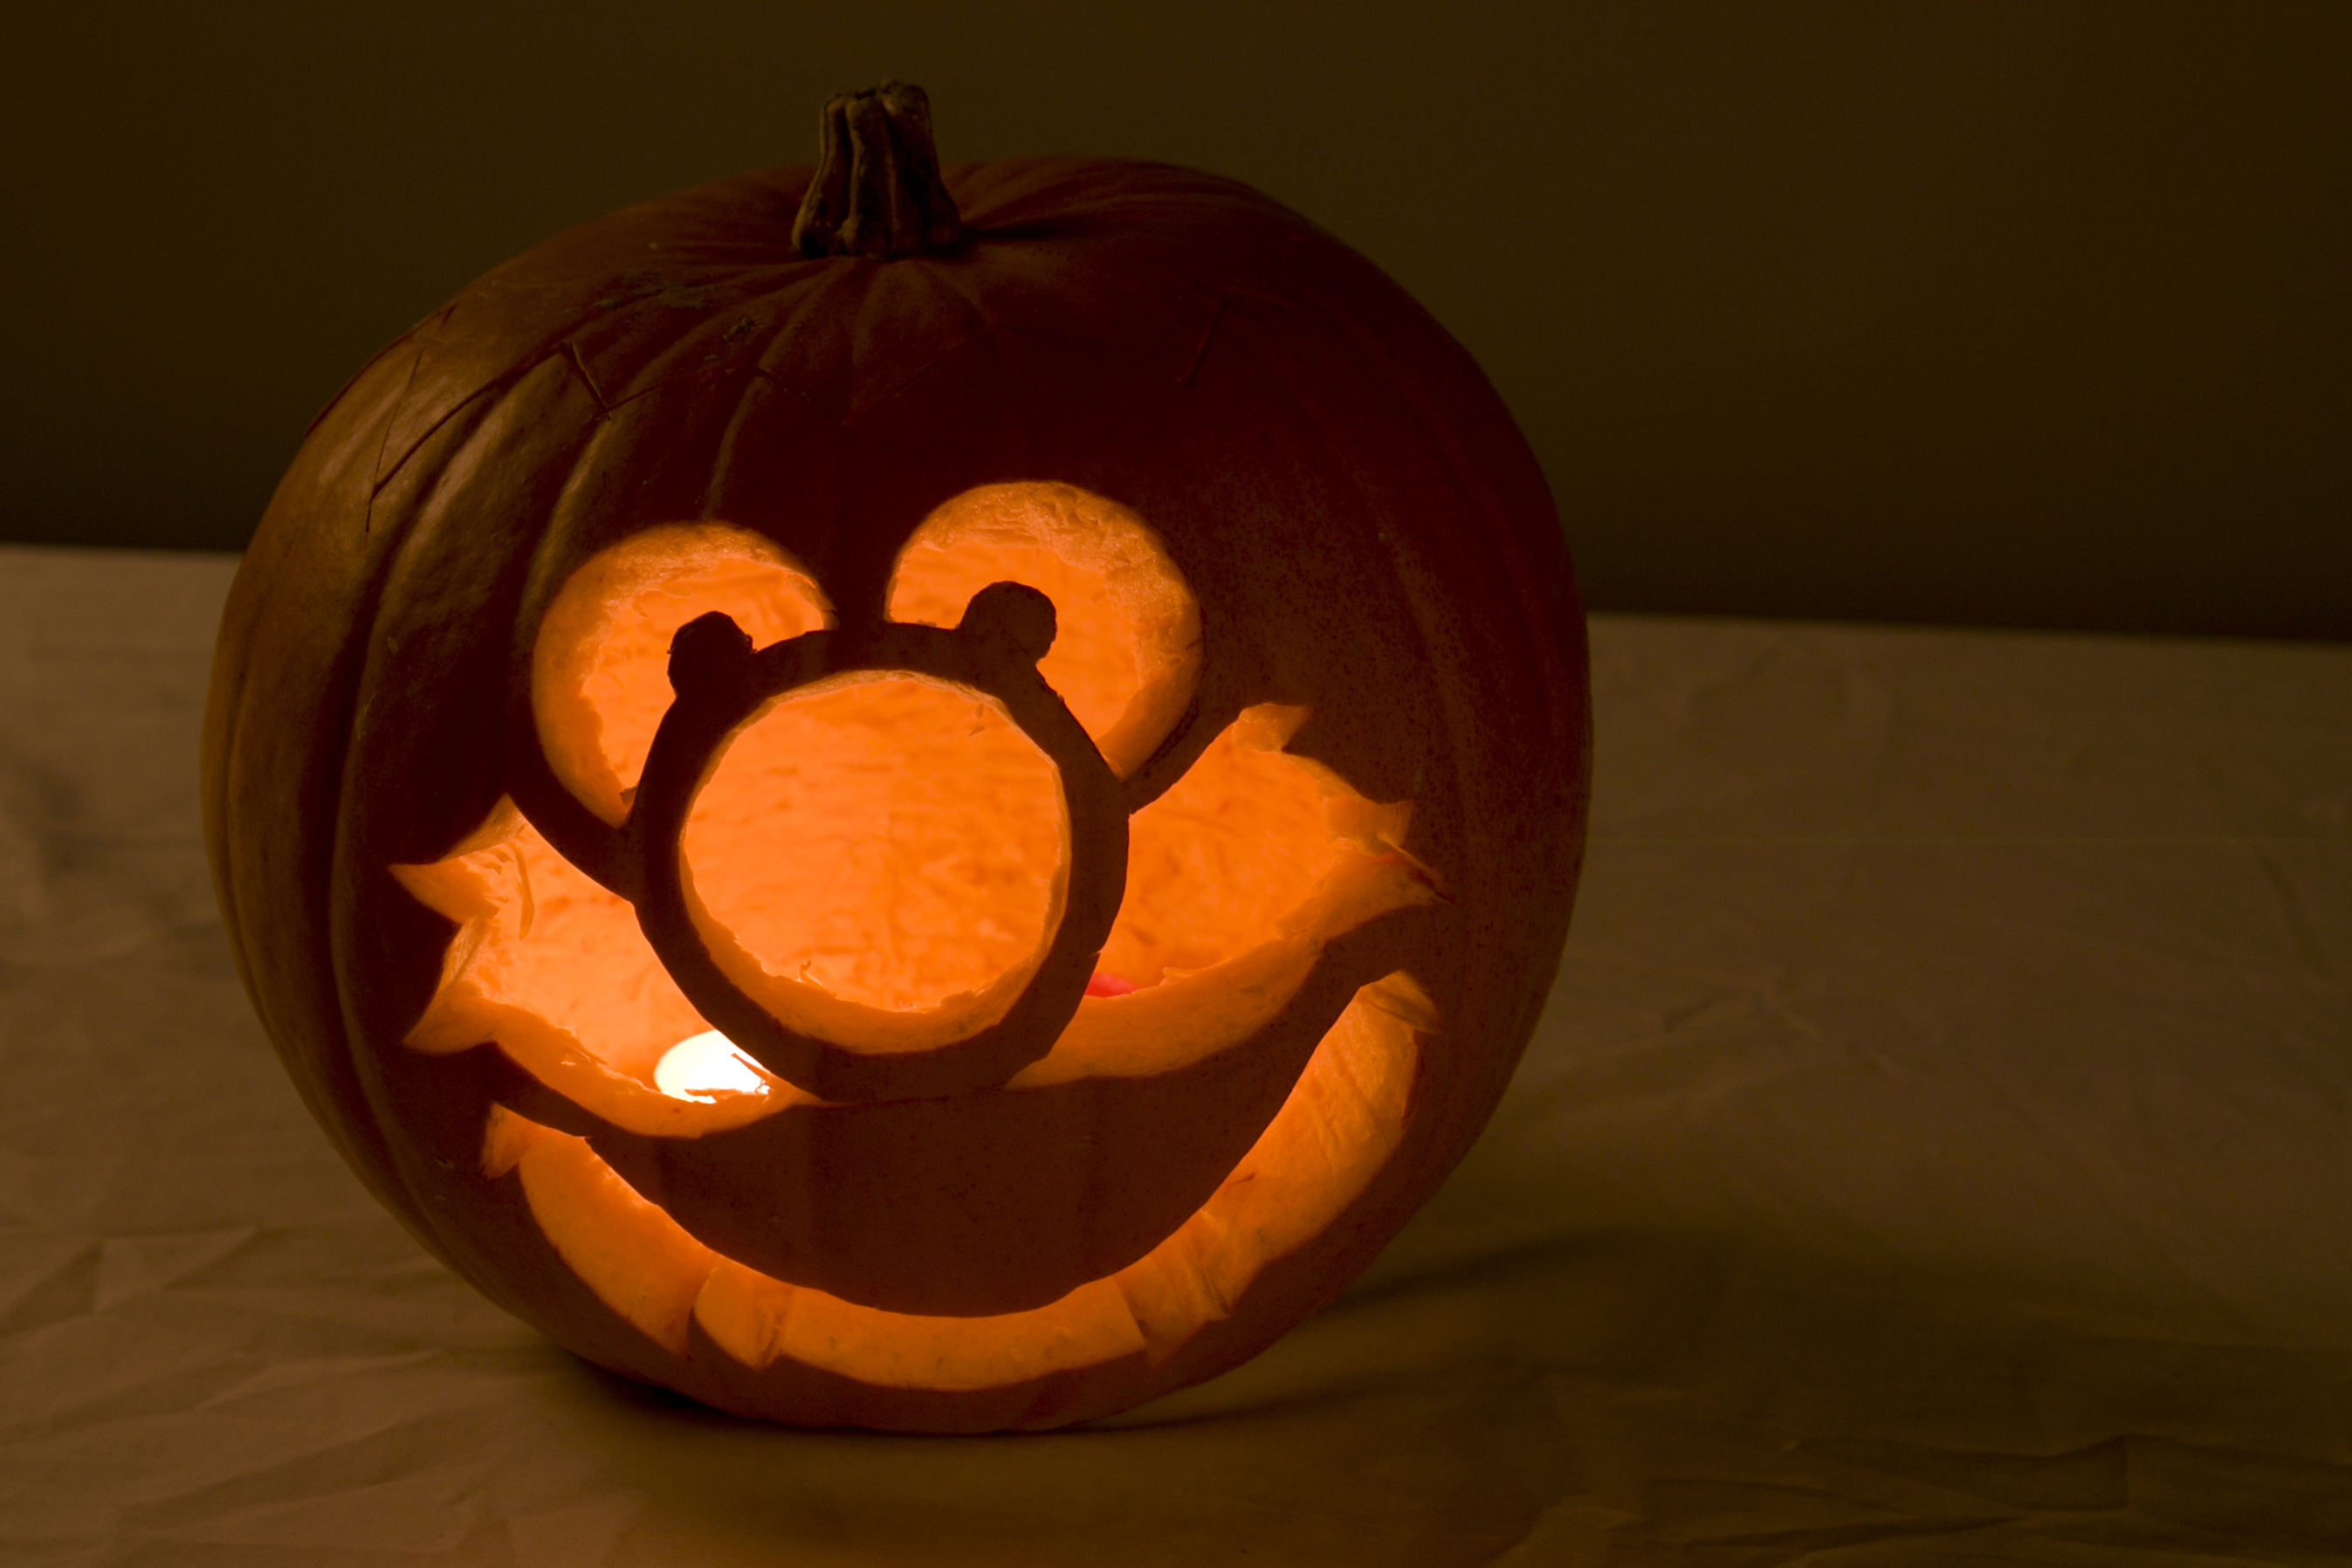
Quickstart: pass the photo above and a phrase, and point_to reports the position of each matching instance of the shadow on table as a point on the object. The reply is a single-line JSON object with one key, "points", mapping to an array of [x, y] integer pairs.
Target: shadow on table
{"points": [[1613, 1400]]}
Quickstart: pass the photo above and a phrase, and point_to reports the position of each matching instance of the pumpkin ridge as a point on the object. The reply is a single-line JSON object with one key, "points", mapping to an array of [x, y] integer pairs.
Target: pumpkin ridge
{"points": [[1455, 710], [389, 467], [342, 866], [325, 1009], [238, 665], [777, 283]]}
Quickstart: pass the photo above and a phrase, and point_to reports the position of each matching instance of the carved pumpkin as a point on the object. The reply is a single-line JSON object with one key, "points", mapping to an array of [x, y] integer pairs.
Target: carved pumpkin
{"points": [[924, 818]]}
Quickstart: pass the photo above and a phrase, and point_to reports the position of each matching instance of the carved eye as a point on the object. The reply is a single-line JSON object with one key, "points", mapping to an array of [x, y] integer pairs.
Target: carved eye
{"points": [[1127, 645], [600, 665]]}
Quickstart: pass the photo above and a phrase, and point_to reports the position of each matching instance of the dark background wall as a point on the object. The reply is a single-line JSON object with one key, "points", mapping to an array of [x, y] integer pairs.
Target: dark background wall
{"points": [[1995, 313]]}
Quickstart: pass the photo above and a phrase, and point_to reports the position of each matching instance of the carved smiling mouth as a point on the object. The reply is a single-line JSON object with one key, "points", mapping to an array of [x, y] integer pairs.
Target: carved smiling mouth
{"points": [[876, 865]]}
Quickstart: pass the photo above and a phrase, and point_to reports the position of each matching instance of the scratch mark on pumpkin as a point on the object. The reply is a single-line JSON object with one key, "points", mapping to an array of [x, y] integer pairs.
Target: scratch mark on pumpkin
{"points": [[580, 369]]}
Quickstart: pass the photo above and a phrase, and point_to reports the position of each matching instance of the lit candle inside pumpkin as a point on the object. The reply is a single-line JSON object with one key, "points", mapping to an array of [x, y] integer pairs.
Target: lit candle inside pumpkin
{"points": [[704, 1067]]}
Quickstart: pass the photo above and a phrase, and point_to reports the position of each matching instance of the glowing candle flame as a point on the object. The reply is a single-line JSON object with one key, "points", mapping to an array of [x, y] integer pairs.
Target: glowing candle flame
{"points": [[704, 1067]]}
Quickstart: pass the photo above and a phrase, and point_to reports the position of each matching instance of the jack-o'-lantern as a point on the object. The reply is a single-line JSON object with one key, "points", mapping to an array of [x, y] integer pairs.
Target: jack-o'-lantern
{"points": [[939, 813]]}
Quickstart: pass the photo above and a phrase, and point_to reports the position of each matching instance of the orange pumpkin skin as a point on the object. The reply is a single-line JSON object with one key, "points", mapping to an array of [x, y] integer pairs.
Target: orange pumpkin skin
{"points": [[1365, 533]]}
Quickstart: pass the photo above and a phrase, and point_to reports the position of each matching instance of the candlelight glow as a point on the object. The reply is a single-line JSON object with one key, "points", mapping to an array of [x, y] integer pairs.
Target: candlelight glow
{"points": [[705, 1066], [897, 843]]}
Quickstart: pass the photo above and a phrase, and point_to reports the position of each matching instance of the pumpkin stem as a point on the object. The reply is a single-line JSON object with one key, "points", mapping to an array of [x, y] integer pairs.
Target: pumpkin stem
{"points": [[877, 190]]}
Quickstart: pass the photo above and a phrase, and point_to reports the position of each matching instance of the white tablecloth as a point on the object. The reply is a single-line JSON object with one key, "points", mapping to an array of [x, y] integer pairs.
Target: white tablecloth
{"points": [[1936, 1151]]}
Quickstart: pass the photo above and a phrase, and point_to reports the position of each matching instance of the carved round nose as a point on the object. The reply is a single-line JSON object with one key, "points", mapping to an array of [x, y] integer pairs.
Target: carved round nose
{"points": [[832, 1048]]}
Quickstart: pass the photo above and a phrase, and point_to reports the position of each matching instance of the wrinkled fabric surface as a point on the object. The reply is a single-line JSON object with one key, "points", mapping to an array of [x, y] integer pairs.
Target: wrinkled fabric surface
{"points": [[1936, 1151]]}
